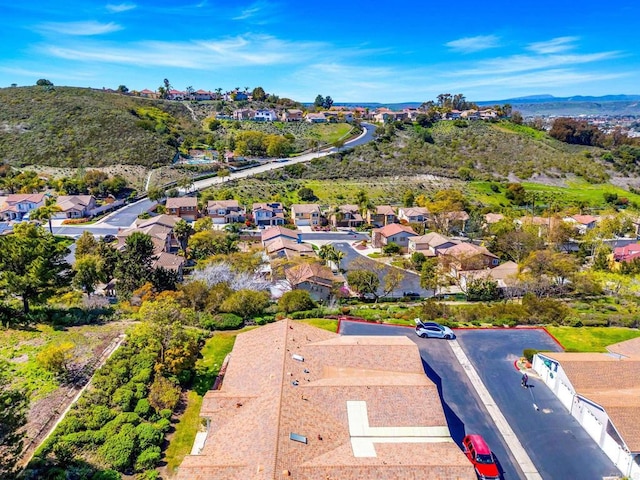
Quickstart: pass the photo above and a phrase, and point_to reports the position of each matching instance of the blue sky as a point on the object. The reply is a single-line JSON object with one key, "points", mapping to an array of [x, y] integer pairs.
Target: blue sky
{"points": [[392, 51]]}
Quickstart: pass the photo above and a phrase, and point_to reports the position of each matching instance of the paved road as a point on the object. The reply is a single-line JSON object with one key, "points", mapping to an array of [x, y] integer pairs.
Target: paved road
{"points": [[559, 447], [540, 432], [126, 216], [463, 409], [410, 282]]}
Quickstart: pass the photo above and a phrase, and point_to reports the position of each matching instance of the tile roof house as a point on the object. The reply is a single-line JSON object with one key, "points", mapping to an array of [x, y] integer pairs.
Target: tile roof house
{"points": [[582, 223], [316, 118], [504, 275], [17, 205], [491, 218], [602, 391], [165, 243], [292, 115], [225, 211], [183, 207], [270, 234], [626, 253], [467, 256], [75, 206], [243, 114], [430, 244], [347, 216], [284, 247], [413, 214], [267, 214], [394, 232], [305, 214], [303, 403], [315, 278], [383, 215]]}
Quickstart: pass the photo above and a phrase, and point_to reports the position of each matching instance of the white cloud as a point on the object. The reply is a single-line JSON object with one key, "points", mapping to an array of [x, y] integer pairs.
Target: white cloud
{"points": [[241, 51], [87, 28], [256, 9], [474, 44], [555, 45], [120, 7]]}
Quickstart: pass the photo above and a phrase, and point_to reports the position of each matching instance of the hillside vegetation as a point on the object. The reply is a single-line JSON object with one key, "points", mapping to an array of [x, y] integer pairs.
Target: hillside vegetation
{"points": [[71, 127]]}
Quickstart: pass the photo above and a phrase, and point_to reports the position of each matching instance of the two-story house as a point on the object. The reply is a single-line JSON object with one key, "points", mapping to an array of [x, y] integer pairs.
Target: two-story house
{"points": [[264, 115], [271, 234], [75, 206], [413, 214], [243, 114], [347, 216], [392, 233], [183, 207], [225, 211], [17, 205], [466, 256], [315, 278], [268, 214], [381, 216], [292, 115], [305, 214]]}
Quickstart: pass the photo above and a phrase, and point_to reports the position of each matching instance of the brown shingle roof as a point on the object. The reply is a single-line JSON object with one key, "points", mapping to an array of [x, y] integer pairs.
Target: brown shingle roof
{"points": [[274, 232], [258, 407], [305, 208], [628, 348], [385, 210], [394, 229], [179, 202]]}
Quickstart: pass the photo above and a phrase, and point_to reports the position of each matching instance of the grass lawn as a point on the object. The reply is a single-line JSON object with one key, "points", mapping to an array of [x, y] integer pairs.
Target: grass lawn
{"points": [[324, 323], [213, 353], [591, 339], [574, 193], [331, 132]]}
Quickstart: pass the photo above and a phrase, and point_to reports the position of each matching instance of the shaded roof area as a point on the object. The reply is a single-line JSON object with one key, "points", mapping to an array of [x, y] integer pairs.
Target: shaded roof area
{"points": [[345, 386]]}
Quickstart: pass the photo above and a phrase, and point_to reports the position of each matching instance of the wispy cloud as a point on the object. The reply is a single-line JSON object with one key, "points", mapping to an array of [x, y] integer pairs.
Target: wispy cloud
{"points": [[120, 7], [474, 44], [240, 51], [555, 45], [88, 28], [257, 10]]}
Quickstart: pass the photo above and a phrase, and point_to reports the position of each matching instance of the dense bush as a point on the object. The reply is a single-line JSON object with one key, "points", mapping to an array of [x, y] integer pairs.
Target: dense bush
{"points": [[528, 353], [295, 301]]}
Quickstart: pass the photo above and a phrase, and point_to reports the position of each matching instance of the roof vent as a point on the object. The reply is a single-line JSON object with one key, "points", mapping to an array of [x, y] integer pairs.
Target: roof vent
{"points": [[298, 438], [297, 357]]}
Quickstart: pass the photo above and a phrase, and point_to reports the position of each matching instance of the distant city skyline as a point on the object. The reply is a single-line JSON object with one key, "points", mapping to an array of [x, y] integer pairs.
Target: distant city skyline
{"points": [[403, 51]]}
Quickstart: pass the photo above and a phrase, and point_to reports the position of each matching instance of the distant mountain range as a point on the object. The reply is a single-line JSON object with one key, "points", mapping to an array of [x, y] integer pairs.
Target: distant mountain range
{"points": [[551, 98]]}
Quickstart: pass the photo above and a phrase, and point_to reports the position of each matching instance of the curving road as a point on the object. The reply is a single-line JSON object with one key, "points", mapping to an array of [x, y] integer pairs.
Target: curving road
{"points": [[127, 215]]}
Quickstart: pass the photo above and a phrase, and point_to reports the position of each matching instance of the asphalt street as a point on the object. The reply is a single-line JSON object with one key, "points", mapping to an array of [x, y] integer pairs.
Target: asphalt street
{"points": [[463, 409], [540, 432], [559, 447], [410, 282]]}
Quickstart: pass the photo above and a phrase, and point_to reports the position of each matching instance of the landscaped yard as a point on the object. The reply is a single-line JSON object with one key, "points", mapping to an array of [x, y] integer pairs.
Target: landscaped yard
{"points": [[213, 353], [591, 339]]}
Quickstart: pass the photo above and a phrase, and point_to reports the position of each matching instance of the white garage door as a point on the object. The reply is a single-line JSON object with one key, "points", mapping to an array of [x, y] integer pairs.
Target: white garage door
{"points": [[565, 395], [615, 452], [592, 425]]}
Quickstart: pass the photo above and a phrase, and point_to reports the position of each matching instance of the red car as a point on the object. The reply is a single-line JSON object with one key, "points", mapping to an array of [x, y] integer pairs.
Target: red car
{"points": [[480, 455]]}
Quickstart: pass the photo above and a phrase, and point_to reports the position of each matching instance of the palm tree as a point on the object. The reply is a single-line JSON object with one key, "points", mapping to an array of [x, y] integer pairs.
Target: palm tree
{"points": [[45, 212], [183, 230], [338, 255]]}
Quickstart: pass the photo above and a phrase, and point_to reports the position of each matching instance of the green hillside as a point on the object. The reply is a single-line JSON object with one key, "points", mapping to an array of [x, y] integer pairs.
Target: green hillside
{"points": [[70, 127]]}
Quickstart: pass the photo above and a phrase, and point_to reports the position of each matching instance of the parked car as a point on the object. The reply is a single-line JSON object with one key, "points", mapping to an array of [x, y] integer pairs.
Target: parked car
{"points": [[477, 450], [433, 330]]}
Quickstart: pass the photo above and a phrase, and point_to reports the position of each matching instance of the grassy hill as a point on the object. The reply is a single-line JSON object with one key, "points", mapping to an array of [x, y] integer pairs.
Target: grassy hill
{"points": [[74, 127]]}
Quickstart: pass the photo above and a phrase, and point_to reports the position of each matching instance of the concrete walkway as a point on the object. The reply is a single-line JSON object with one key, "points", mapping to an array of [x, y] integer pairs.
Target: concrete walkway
{"points": [[510, 438]]}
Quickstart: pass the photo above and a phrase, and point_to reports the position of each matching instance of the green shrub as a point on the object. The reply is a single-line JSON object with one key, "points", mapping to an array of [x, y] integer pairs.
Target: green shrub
{"points": [[295, 301], [314, 313], [148, 459], [166, 413], [107, 475], [227, 321], [97, 417], [164, 425], [148, 436], [117, 451], [143, 408], [528, 353], [123, 398]]}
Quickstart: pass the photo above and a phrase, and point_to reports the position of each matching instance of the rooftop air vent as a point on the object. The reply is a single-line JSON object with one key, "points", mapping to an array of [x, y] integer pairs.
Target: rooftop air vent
{"points": [[297, 357], [298, 438]]}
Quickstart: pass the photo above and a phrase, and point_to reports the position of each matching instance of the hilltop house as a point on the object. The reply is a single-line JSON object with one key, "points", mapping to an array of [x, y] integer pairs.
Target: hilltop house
{"points": [[292, 115], [265, 116]]}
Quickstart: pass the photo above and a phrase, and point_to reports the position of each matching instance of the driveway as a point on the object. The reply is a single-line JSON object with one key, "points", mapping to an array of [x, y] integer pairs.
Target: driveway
{"points": [[540, 432], [556, 443], [410, 282]]}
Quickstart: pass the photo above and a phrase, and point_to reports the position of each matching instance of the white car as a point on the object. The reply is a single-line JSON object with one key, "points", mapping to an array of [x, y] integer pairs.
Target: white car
{"points": [[433, 330]]}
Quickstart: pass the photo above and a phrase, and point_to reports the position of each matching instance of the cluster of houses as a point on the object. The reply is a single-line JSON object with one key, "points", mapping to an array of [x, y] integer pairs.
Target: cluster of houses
{"points": [[17, 206]]}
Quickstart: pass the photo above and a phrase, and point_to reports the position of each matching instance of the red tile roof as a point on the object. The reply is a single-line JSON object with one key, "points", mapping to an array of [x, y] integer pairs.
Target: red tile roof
{"points": [[394, 229]]}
